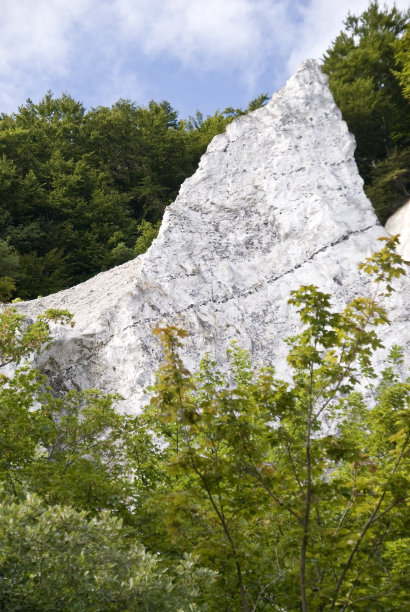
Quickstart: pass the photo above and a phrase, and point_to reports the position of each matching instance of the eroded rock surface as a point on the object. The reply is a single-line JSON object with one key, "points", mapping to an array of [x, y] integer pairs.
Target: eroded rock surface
{"points": [[399, 223], [276, 202]]}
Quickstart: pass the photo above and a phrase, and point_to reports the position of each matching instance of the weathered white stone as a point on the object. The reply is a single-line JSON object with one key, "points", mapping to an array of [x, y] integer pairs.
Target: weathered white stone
{"points": [[276, 202], [399, 223]]}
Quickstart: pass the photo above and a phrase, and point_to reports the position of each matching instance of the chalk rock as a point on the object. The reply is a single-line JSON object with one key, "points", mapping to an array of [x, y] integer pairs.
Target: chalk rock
{"points": [[399, 223], [276, 202]]}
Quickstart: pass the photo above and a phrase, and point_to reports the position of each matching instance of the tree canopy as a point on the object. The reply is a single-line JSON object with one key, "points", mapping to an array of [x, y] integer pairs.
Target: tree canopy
{"points": [[368, 67]]}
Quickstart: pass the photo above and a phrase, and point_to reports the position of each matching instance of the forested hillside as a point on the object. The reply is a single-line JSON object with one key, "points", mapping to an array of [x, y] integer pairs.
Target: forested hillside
{"points": [[82, 191]]}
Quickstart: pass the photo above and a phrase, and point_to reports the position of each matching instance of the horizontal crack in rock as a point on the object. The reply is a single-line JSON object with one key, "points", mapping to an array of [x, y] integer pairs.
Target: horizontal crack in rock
{"points": [[254, 290]]}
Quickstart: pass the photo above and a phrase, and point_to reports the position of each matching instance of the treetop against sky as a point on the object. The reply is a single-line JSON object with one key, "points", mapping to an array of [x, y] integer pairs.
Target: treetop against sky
{"points": [[196, 54]]}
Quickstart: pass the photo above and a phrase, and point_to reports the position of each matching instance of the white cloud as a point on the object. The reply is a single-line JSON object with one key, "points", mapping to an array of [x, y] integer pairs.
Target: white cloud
{"points": [[321, 21], [192, 31], [244, 35], [105, 43], [207, 35], [37, 33], [35, 44]]}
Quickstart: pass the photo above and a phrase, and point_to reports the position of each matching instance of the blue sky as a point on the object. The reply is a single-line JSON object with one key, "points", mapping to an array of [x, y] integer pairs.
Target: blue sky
{"points": [[197, 54]]}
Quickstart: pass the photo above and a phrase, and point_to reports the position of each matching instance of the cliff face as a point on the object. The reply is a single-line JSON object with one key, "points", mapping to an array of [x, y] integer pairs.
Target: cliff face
{"points": [[276, 202], [399, 223]]}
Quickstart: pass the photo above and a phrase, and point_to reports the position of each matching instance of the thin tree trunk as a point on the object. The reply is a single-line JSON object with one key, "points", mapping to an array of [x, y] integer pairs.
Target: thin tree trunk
{"points": [[308, 503], [306, 520]]}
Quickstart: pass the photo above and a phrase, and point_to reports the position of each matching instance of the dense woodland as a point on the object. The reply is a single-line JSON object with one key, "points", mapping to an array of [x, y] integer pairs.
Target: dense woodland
{"points": [[82, 191], [226, 493]]}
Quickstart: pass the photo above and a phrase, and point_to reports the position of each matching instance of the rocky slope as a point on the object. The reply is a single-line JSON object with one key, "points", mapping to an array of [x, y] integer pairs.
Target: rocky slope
{"points": [[276, 202]]}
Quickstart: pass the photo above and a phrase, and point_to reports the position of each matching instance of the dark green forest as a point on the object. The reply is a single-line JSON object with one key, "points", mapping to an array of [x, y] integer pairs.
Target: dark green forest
{"points": [[77, 187], [232, 490], [82, 191], [369, 72]]}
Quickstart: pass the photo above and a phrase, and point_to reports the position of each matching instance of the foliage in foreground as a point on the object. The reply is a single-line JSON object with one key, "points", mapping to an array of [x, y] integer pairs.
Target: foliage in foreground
{"points": [[65, 478], [300, 490], [56, 558], [290, 495]]}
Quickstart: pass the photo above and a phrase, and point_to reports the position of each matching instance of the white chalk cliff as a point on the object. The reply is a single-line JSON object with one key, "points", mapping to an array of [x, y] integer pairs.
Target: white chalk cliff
{"points": [[399, 223], [276, 202]]}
